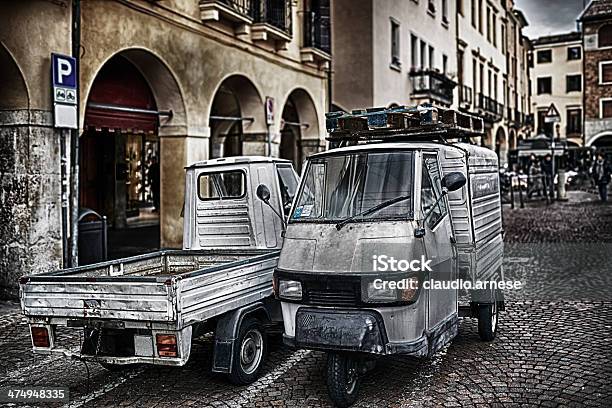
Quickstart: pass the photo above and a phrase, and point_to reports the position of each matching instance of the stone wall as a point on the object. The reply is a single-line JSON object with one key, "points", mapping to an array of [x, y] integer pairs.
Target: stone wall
{"points": [[30, 214]]}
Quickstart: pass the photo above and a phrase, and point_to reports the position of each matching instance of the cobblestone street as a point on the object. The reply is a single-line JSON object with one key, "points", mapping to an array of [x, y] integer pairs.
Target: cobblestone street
{"points": [[554, 345]]}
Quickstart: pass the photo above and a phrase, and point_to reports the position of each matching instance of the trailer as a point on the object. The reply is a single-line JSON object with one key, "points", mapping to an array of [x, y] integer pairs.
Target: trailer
{"points": [[149, 308]]}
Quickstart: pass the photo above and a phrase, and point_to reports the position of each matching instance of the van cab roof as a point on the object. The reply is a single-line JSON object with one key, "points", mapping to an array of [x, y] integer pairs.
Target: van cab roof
{"points": [[236, 160]]}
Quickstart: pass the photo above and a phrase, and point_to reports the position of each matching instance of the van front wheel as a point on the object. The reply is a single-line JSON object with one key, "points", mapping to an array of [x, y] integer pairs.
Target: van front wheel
{"points": [[487, 321], [343, 379]]}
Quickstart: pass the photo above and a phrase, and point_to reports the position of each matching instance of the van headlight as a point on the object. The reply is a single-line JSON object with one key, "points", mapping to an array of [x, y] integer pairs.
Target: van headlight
{"points": [[391, 291], [289, 289]]}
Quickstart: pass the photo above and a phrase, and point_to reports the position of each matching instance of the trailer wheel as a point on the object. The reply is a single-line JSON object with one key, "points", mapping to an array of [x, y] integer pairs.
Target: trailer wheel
{"points": [[249, 352], [343, 380], [487, 321]]}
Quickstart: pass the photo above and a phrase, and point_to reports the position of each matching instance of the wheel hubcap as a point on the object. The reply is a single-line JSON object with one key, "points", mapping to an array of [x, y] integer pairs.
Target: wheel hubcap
{"points": [[251, 351]]}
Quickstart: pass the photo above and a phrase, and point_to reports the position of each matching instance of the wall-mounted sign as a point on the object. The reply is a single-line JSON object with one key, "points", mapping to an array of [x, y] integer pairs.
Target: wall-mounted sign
{"points": [[269, 111], [64, 91]]}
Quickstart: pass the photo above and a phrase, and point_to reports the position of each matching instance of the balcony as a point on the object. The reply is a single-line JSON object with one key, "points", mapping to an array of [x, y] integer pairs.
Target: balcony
{"points": [[465, 96], [316, 47], [235, 12], [272, 20], [491, 109], [433, 86]]}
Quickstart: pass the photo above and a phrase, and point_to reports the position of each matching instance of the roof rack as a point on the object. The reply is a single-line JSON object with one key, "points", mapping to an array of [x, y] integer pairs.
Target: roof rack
{"points": [[401, 123]]}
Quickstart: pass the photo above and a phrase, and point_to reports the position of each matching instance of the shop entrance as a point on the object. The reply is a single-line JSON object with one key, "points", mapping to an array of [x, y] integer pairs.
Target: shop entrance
{"points": [[119, 169]]}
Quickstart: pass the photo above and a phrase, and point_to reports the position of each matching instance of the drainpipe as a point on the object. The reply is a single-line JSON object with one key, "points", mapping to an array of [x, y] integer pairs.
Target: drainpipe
{"points": [[74, 140]]}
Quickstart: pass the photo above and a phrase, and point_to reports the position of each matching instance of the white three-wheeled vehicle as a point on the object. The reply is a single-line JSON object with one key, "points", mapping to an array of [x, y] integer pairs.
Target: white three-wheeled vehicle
{"points": [[402, 184]]}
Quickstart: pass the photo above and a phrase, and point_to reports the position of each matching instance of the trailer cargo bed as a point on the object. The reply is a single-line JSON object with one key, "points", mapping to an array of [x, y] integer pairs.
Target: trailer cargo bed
{"points": [[166, 289]]}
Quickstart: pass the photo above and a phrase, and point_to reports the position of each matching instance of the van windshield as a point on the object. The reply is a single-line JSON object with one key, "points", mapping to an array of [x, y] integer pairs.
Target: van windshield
{"points": [[337, 187]]}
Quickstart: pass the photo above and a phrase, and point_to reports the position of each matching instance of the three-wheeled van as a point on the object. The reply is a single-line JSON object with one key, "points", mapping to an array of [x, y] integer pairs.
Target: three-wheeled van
{"points": [[404, 185]]}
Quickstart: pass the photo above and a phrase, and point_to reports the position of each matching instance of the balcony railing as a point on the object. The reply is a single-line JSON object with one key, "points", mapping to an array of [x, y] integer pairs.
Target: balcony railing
{"points": [[244, 7], [433, 85], [276, 13], [493, 109], [317, 31], [465, 95]]}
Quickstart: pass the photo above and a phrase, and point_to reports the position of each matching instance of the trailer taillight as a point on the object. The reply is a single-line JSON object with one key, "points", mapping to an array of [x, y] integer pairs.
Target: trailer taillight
{"points": [[275, 286], [166, 345], [40, 337], [23, 280]]}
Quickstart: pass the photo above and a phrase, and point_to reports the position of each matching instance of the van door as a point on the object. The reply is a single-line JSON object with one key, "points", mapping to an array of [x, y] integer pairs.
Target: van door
{"points": [[438, 246]]}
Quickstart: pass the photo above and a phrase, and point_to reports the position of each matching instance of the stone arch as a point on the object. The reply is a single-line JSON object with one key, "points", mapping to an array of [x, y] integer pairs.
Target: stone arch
{"points": [[299, 127], [14, 95], [134, 123], [599, 138], [237, 118], [163, 82], [604, 36]]}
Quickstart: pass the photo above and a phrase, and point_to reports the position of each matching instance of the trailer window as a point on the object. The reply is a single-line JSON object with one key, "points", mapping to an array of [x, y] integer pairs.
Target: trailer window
{"points": [[431, 190], [337, 187], [222, 185]]}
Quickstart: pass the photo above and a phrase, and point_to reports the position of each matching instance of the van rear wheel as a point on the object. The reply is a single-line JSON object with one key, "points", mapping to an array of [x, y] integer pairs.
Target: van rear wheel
{"points": [[487, 321], [343, 380]]}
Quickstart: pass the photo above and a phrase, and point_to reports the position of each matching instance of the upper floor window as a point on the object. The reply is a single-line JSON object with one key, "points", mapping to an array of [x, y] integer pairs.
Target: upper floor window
{"points": [[544, 85], [606, 108], [574, 83], [445, 12], [414, 51], [574, 121], [574, 53], [473, 13], [503, 38], [605, 72], [431, 7], [544, 56], [460, 7], [444, 64], [604, 36], [488, 24], [395, 43]]}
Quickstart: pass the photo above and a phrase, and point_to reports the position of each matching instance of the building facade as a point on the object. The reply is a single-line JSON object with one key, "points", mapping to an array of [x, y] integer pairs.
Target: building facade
{"points": [[492, 69], [558, 80], [162, 84], [596, 21], [393, 52]]}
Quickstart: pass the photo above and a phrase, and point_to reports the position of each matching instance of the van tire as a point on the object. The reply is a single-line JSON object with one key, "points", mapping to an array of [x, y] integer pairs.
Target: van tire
{"points": [[487, 321], [343, 379], [249, 352]]}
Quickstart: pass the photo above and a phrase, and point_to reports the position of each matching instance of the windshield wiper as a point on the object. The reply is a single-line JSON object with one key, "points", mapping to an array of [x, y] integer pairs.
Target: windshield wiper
{"points": [[378, 207]]}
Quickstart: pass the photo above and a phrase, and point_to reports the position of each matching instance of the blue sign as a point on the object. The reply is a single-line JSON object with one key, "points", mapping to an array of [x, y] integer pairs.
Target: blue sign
{"points": [[64, 71]]}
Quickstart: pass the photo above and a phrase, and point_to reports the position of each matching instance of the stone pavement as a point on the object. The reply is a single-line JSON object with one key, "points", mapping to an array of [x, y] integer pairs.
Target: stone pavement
{"points": [[554, 345]]}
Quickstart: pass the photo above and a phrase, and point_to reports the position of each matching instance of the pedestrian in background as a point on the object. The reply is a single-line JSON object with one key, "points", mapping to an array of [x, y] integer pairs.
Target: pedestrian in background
{"points": [[601, 175], [534, 171], [547, 169]]}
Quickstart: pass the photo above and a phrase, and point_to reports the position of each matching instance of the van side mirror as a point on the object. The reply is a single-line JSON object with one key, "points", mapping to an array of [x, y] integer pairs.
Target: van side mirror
{"points": [[263, 193], [453, 181]]}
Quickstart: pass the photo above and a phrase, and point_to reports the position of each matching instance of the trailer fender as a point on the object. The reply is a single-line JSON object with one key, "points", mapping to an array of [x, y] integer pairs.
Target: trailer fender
{"points": [[226, 333]]}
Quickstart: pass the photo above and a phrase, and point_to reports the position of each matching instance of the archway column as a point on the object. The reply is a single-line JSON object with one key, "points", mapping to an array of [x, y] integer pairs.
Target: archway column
{"points": [[178, 148]]}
